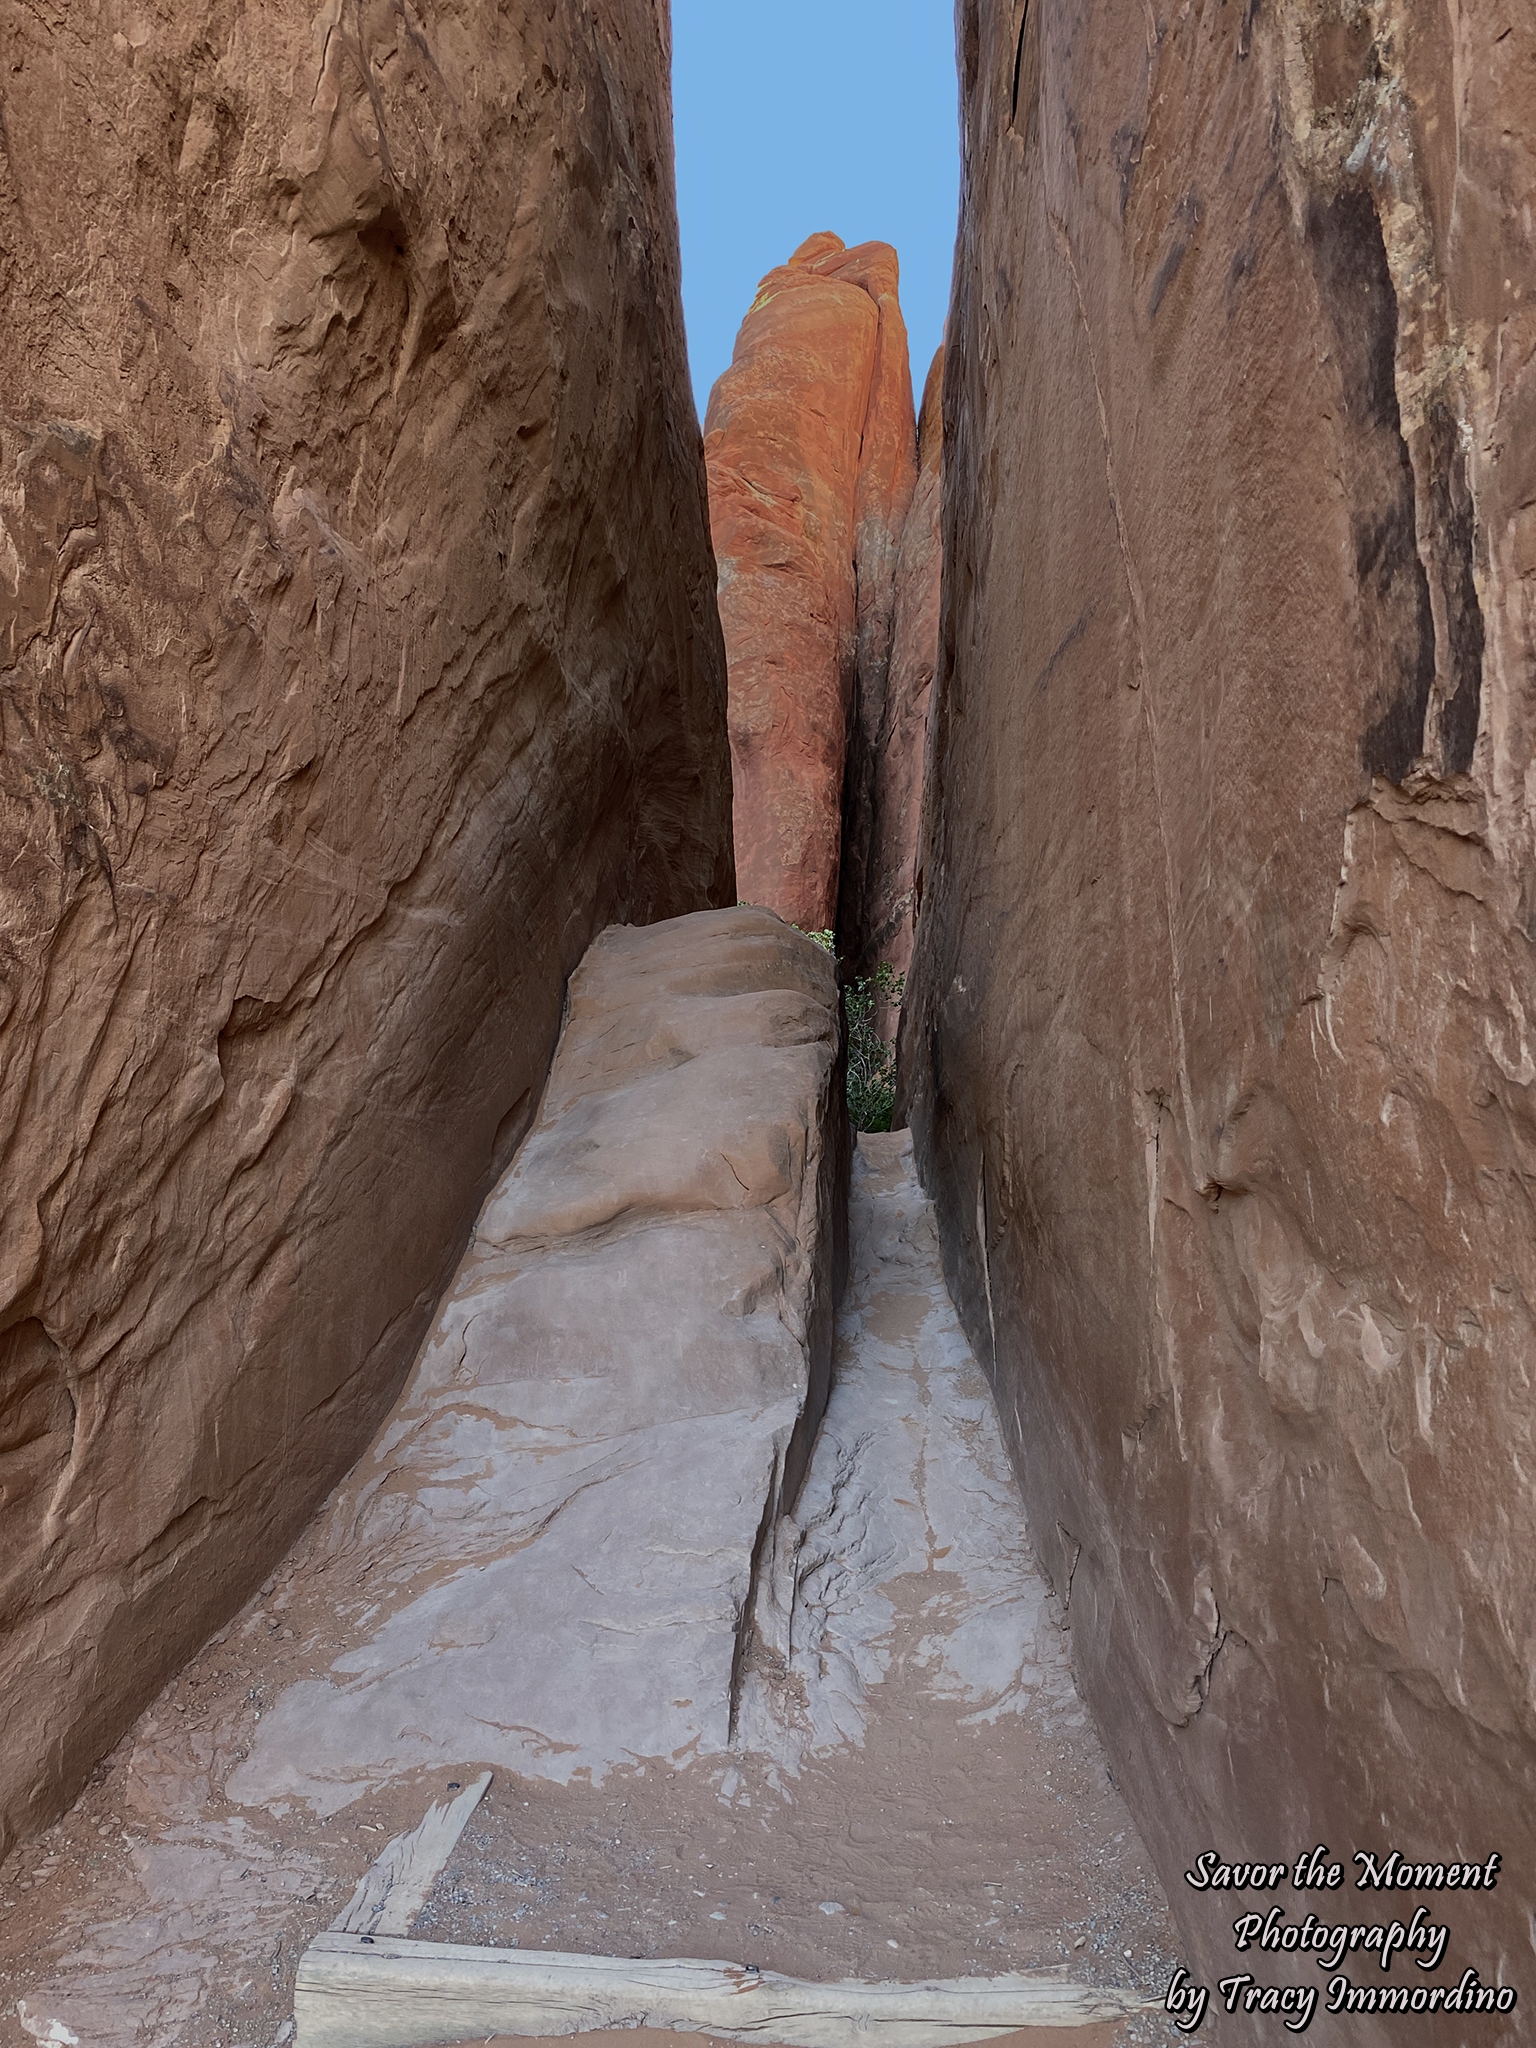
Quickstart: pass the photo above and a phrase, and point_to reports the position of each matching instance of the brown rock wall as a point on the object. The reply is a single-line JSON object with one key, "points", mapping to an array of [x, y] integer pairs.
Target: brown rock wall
{"points": [[358, 662], [1218, 1035], [901, 740], [810, 443]]}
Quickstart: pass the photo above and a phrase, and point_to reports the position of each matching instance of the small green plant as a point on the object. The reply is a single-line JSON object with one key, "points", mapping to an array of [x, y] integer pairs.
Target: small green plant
{"points": [[871, 1061]]}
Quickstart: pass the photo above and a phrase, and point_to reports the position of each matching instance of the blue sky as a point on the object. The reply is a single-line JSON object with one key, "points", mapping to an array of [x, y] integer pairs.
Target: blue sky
{"points": [[796, 115]]}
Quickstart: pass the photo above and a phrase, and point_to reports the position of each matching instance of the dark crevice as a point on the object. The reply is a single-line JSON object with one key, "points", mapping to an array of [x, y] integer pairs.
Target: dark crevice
{"points": [[1397, 620], [1018, 64], [1452, 526], [1026, 75]]}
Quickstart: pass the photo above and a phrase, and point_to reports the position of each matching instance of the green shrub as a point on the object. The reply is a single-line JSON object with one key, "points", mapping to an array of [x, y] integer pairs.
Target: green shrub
{"points": [[871, 1061]]}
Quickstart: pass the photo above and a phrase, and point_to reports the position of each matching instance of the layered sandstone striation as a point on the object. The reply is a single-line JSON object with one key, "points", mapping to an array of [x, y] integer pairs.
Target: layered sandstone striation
{"points": [[358, 661], [1220, 1042], [810, 444]]}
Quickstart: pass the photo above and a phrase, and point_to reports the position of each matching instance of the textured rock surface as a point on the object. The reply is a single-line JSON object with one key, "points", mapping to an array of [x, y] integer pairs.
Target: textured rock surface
{"points": [[357, 663], [810, 444], [1221, 1052], [900, 750]]}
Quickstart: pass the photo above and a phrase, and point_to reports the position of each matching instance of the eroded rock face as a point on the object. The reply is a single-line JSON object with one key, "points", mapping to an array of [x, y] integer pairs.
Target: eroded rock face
{"points": [[1220, 1044], [810, 444], [359, 662]]}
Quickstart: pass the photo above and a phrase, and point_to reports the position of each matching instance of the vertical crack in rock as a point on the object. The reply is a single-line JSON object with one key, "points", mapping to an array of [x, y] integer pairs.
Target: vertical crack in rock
{"points": [[1359, 143], [908, 1485], [1451, 525], [1398, 628], [901, 748], [1025, 91], [760, 1571]]}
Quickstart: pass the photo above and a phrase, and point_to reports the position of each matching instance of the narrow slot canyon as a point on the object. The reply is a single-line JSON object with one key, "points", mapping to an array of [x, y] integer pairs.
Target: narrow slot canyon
{"points": [[766, 1268]]}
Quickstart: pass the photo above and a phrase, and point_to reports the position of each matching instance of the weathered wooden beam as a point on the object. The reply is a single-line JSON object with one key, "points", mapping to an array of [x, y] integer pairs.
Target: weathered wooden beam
{"points": [[397, 1882], [361, 1991]]}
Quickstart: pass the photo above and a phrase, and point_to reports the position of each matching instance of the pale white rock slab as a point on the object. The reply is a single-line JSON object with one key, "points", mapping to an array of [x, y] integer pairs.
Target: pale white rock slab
{"points": [[546, 1556]]}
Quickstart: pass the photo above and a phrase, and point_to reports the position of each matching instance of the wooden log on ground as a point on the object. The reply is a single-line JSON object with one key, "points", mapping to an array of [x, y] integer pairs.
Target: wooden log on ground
{"points": [[395, 1887], [361, 1991]]}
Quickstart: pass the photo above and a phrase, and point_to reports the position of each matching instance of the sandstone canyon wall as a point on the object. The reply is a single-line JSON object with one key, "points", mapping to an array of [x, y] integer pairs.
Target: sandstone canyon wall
{"points": [[811, 447], [899, 749], [1220, 1039], [358, 662]]}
